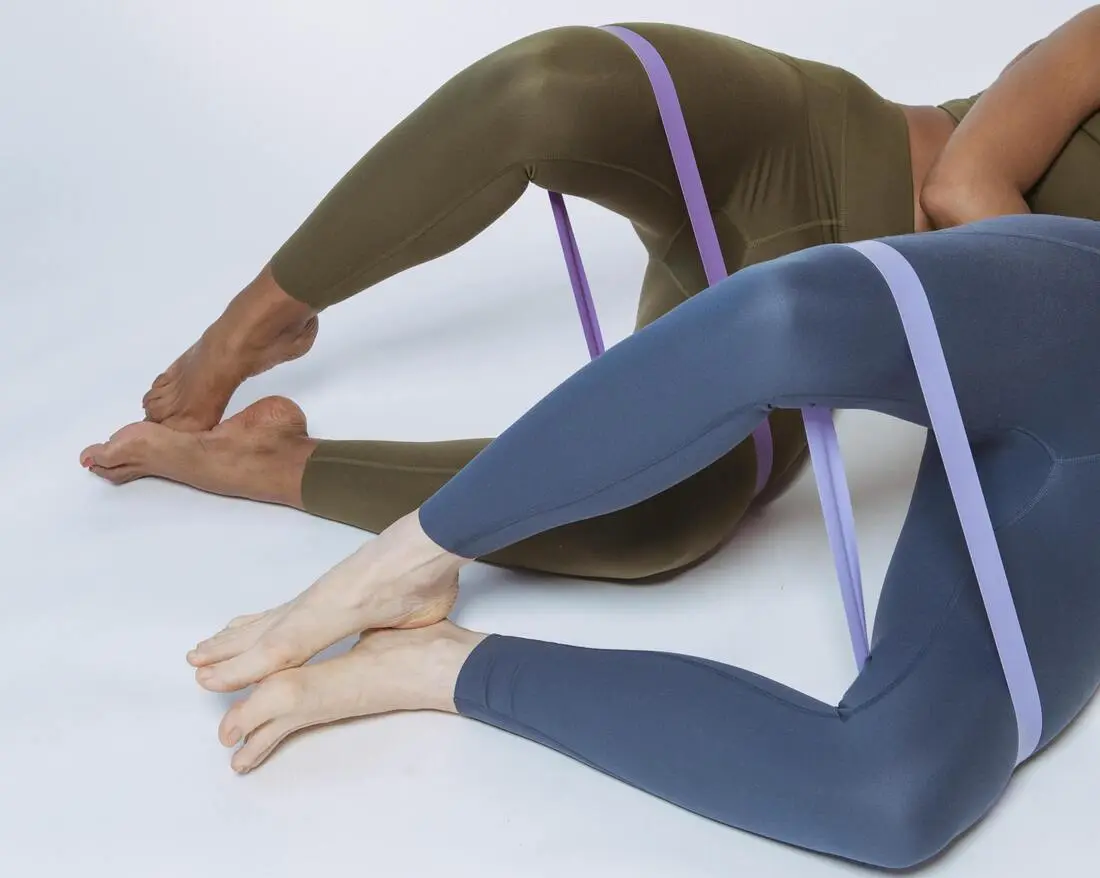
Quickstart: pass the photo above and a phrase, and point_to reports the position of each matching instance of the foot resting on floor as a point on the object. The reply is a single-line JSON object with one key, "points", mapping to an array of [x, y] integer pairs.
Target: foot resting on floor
{"points": [[259, 454], [386, 671], [399, 579]]}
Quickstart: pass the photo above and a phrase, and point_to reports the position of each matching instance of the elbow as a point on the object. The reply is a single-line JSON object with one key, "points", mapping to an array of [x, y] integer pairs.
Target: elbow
{"points": [[946, 201], [955, 199]]}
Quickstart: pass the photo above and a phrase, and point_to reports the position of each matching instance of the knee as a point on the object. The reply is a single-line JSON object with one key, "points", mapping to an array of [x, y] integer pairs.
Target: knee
{"points": [[914, 804], [687, 523], [817, 322], [551, 85], [910, 828], [673, 552], [536, 71]]}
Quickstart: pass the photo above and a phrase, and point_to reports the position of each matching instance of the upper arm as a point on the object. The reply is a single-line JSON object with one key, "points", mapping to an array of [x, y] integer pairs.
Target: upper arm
{"points": [[1018, 126]]}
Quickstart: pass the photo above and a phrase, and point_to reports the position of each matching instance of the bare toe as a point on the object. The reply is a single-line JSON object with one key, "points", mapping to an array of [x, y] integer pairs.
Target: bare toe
{"points": [[278, 696], [224, 645], [118, 475], [259, 454], [130, 453], [270, 654], [386, 671], [239, 635]]}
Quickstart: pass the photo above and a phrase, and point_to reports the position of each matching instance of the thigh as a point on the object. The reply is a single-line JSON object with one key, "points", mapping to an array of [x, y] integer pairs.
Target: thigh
{"points": [[593, 128], [663, 289]]}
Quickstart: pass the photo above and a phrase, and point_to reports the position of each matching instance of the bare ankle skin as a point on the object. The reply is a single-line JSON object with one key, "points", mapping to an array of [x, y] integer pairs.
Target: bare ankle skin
{"points": [[261, 327]]}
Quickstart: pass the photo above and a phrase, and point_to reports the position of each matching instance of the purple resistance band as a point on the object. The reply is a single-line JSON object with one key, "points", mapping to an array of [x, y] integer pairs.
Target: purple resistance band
{"points": [[706, 237], [820, 431], [966, 489], [828, 465]]}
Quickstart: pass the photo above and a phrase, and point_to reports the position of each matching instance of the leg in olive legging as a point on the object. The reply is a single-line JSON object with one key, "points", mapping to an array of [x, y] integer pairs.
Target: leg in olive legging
{"points": [[370, 484], [570, 110]]}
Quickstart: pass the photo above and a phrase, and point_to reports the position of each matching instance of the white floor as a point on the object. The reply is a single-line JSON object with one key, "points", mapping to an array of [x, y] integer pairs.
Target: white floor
{"points": [[151, 157]]}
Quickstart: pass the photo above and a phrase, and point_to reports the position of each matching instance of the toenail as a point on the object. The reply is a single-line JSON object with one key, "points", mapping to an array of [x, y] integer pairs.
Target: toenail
{"points": [[233, 737]]}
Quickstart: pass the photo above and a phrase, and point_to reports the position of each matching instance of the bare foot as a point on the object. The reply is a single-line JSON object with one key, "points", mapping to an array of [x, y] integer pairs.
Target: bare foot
{"points": [[386, 671], [258, 454], [261, 327], [400, 579]]}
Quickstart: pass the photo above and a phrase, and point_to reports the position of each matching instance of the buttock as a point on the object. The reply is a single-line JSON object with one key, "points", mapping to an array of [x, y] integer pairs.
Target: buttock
{"points": [[792, 154]]}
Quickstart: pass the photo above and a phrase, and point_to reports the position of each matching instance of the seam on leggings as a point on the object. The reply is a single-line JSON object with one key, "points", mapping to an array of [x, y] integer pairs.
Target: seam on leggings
{"points": [[750, 243], [673, 237], [1044, 488], [680, 288], [949, 607], [843, 714], [390, 467], [903, 674], [461, 200], [953, 601], [500, 723], [714, 425], [839, 221], [1023, 236], [826, 712], [1087, 458], [801, 227]]}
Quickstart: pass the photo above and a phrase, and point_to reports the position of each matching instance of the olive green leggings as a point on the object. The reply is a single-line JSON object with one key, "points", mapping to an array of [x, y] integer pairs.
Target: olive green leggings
{"points": [[792, 154]]}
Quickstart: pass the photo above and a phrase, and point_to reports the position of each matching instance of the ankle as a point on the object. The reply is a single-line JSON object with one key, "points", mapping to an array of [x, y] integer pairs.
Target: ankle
{"points": [[262, 312], [439, 661], [415, 550]]}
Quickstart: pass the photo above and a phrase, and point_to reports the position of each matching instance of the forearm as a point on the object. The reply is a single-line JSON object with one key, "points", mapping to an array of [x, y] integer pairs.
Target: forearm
{"points": [[1017, 127]]}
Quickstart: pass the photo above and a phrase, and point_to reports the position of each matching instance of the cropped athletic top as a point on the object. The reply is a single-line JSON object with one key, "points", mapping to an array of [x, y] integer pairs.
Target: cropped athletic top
{"points": [[1071, 186]]}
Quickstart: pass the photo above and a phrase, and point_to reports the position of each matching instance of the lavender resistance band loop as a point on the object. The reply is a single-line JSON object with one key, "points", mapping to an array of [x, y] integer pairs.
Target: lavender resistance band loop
{"points": [[962, 476], [820, 431], [581, 292], [821, 434], [706, 237], [840, 524]]}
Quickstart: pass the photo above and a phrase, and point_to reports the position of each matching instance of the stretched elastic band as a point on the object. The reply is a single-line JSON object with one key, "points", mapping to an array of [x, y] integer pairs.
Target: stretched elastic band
{"points": [[698, 210], [820, 432], [966, 489], [840, 525], [577, 278]]}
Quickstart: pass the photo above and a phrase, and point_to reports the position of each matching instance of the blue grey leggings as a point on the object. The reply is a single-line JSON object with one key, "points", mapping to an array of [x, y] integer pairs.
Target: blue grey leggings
{"points": [[924, 742]]}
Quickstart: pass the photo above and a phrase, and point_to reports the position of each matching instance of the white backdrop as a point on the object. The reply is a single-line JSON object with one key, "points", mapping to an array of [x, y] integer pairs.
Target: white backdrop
{"points": [[152, 156]]}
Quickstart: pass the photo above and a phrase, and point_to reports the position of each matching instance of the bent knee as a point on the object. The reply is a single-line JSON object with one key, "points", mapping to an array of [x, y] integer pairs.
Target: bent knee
{"points": [[912, 802], [558, 87], [542, 66], [908, 831], [687, 523]]}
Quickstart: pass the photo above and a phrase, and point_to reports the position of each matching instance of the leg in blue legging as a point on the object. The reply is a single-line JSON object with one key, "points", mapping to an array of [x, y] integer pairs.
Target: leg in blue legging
{"points": [[925, 740]]}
